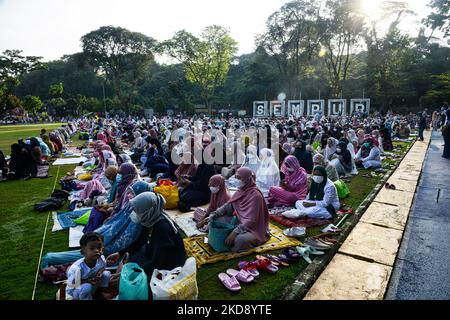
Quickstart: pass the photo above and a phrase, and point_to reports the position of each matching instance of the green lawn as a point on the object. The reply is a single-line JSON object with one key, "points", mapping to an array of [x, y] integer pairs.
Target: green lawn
{"points": [[10, 134], [23, 229]]}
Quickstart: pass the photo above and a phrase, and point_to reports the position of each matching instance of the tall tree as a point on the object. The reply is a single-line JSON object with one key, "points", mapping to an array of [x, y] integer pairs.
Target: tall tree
{"points": [[206, 60], [292, 38], [342, 29], [12, 66], [440, 17], [122, 56]]}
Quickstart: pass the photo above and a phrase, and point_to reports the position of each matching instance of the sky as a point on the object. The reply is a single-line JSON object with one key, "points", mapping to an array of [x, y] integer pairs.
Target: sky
{"points": [[53, 28]]}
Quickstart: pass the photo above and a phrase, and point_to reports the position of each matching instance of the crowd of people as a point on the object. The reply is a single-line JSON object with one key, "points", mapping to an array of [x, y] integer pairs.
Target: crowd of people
{"points": [[239, 167]]}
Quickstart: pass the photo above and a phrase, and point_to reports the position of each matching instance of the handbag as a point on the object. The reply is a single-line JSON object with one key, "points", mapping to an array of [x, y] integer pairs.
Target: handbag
{"points": [[342, 189], [133, 283], [219, 232], [177, 284], [169, 191]]}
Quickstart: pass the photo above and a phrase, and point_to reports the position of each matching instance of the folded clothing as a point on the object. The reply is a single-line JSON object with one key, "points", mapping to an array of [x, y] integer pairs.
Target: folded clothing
{"points": [[303, 222], [49, 204]]}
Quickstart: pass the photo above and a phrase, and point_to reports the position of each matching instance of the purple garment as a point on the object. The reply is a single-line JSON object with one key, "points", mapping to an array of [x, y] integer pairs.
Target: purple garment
{"points": [[96, 219]]}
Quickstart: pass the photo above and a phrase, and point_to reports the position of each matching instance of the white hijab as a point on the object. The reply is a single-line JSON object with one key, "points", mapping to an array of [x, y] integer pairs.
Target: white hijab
{"points": [[268, 174]]}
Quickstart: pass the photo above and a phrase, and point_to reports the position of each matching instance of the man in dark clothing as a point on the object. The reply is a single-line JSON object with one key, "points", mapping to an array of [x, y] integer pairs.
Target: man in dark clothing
{"points": [[422, 125]]}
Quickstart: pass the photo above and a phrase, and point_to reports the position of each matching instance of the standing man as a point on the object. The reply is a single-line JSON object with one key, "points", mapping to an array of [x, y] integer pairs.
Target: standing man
{"points": [[422, 124]]}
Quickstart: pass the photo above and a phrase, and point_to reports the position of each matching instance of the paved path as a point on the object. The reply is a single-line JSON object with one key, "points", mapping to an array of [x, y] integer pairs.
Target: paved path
{"points": [[422, 268], [364, 263]]}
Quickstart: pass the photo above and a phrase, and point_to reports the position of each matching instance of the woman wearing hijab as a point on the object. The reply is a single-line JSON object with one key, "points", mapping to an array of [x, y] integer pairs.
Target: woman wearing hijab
{"points": [[21, 164], [268, 174], [251, 159], [303, 156], [332, 174], [186, 169], [295, 186], [238, 160], [196, 190], [323, 200], [252, 213], [446, 135], [35, 152], [107, 158], [49, 144], [128, 175], [123, 158], [330, 149], [342, 159], [360, 134], [219, 193], [368, 155], [159, 244], [387, 140]]}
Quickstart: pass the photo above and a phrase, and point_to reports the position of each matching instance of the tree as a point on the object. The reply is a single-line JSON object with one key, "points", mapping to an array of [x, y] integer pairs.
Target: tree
{"points": [[440, 17], [56, 89], [122, 56], [32, 104], [293, 39], [342, 29], [12, 66], [206, 60]]}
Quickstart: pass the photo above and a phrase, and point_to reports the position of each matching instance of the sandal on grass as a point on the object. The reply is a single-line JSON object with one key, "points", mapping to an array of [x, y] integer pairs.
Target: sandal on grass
{"points": [[304, 253], [291, 253], [275, 259], [266, 265], [229, 282], [241, 275], [261, 257], [250, 267]]}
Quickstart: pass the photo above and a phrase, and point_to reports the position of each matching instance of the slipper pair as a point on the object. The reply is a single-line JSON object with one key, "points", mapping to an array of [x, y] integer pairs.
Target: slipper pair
{"points": [[306, 250], [273, 259], [390, 186], [261, 264], [231, 279]]}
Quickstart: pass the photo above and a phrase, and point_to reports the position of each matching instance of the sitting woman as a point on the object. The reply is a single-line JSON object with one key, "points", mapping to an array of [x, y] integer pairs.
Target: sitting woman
{"points": [[268, 174], [323, 200], [123, 158], [21, 164], [329, 167], [294, 187], [368, 155], [159, 244], [251, 159], [330, 149], [249, 206], [342, 160], [303, 156], [196, 190], [186, 169], [238, 160], [219, 193]]}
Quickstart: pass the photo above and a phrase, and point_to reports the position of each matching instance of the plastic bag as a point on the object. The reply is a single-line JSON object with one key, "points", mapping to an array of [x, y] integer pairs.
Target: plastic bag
{"points": [[170, 193], [342, 189], [133, 283], [178, 284]]}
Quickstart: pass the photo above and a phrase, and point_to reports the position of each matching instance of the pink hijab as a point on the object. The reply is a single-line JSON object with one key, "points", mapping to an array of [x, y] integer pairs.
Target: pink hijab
{"points": [[91, 186], [249, 204], [220, 198], [297, 179], [102, 137]]}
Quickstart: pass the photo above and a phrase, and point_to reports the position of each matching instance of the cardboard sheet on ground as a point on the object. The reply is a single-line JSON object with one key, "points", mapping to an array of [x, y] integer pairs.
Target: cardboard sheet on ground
{"points": [[204, 254], [75, 235], [60, 162]]}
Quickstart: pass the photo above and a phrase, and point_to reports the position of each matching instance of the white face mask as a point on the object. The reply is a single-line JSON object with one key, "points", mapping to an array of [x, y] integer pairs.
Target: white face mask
{"points": [[290, 170], [339, 150], [134, 217], [240, 183], [318, 179], [214, 189]]}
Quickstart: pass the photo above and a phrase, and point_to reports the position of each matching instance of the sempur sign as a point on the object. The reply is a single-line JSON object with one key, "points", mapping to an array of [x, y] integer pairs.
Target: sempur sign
{"points": [[298, 108]]}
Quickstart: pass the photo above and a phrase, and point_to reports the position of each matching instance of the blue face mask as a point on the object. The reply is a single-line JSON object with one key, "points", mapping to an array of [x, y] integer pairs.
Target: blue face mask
{"points": [[118, 177]]}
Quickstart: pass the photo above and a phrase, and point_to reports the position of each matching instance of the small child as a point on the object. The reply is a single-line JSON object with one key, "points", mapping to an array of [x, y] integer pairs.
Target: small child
{"points": [[87, 274]]}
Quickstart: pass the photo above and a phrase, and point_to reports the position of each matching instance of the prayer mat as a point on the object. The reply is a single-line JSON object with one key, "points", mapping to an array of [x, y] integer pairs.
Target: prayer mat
{"points": [[204, 254], [42, 171], [76, 160], [189, 226], [75, 235], [65, 220], [303, 222]]}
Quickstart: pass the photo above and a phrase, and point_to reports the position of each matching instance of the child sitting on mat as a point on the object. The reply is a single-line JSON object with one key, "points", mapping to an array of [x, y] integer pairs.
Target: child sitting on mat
{"points": [[88, 274]]}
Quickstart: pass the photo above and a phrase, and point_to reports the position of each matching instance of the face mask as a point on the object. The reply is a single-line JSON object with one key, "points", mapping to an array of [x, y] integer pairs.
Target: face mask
{"points": [[118, 177], [134, 217], [240, 183], [214, 189], [366, 145], [339, 150], [318, 179], [290, 170]]}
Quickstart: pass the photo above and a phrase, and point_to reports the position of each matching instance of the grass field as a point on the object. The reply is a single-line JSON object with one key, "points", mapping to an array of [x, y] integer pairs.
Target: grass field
{"points": [[22, 231], [10, 134]]}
